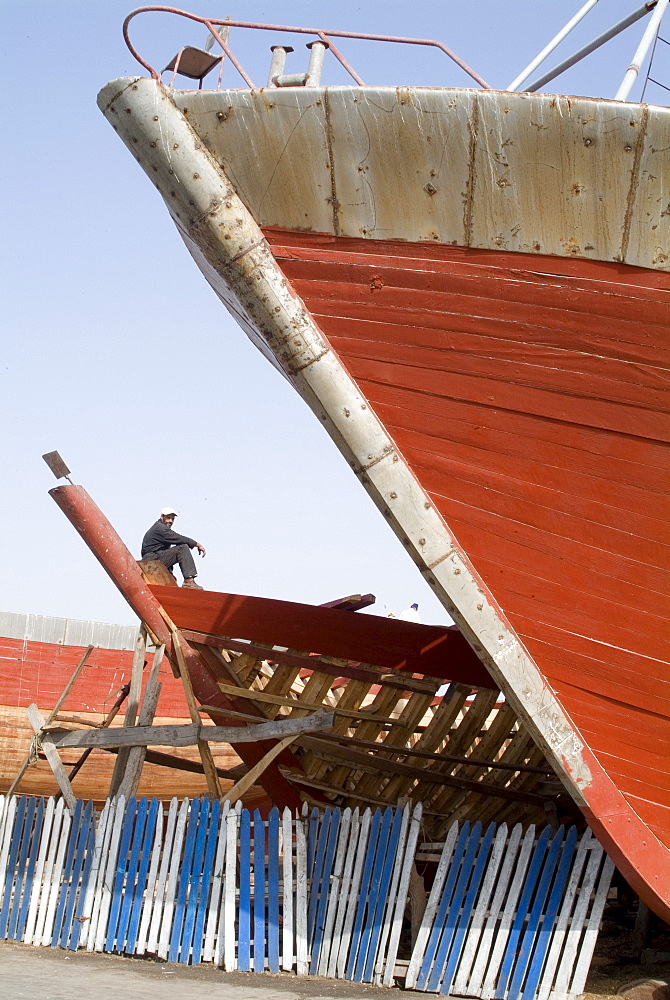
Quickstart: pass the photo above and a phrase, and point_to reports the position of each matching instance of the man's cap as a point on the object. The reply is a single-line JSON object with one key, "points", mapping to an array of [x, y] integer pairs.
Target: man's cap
{"points": [[415, 606], [168, 510]]}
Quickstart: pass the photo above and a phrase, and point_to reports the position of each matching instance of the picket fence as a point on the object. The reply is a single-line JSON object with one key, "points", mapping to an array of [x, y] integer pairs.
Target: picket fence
{"points": [[508, 915]]}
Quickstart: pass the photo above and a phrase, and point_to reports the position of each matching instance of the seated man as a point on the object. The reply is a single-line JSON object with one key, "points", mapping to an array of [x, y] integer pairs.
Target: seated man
{"points": [[166, 545]]}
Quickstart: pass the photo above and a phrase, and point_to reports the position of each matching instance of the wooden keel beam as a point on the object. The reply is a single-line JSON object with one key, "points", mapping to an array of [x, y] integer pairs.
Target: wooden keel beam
{"points": [[137, 754]]}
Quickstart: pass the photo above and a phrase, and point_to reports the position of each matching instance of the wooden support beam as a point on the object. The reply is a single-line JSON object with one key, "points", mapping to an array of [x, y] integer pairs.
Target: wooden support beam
{"points": [[52, 715], [131, 708], [37, 721], [212, 777], [324, 664], [308, 706], [374, 764], [181, 764], [188, 736], [137, 754], [254, 773]]}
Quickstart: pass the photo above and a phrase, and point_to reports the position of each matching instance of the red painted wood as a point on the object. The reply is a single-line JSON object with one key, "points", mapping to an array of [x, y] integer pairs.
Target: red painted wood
{"points": [[382, 642], [530, 397]]}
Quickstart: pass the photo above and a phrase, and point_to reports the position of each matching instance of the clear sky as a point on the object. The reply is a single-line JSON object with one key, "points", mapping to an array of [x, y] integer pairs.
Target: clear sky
{"points": [[114, 350]]}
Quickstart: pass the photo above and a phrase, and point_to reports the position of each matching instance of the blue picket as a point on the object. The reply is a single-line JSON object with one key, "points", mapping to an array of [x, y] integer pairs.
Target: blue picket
{"points": [[28, 866], [273, 890], [445, 899], [131, 874], [75, 875], [380, 855], [203, 896], [541, 943], [530, 882], [75, 928], [119, 878], [73, 839], [468, 906], [14, 845], [314, 823], [319, 855], [184, 880], [259, 892], [535, 920], [244, 915], [321, 890], [363, 894], [377, 915], [145, 858], [197, 872]]}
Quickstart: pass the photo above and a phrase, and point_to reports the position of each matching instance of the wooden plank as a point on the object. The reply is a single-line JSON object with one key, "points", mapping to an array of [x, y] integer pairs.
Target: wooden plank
{"points": [[189, 735], [386, 856], [143, 889], [463, 919], [39, 870], [287, 890], [386, 974], [86, 910], [475, 930], [152, 875], [212, 777], [87, 842], [301, 941], [418, 952], [198, 937], [20, 872], [56, 877], [36, 839], [591, 931], [122, 862], [52, 715], [43, 903], [13, 848], [191, 840], [254, 773], [37, 723], [321, 886], [173, 863], [197, 871], [273, 890], [333, 894], [137, 755], [132, 707], [68, 865], [259, 893], [216, 888], [109, 876], [349, 844], [135, 853], [363, 892], [153, 933], [244, 949]]}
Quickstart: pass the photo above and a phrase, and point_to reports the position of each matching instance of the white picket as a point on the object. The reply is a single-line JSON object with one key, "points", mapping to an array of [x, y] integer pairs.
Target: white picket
{"points": [[301, 942], [505, 926], [591, 932], [36, 889], [334, 892], [107, 876], [98, 888], [216, 888], [159, 893], [56, 874], [94, 874], [150, 891], [563, 917], [399, 899], [10, 815], [475, 931], [287, 890], [229, 890], [173, 864], [345, 887], [416, 958], [345, 940], [43, 901]]}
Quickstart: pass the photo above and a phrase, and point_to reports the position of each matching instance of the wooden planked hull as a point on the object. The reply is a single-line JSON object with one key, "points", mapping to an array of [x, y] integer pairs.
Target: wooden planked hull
{"points": [[471, 292]]}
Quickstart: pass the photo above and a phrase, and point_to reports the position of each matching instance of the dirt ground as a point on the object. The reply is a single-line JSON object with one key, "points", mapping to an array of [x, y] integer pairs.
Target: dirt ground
{"points": [[28, 973]]}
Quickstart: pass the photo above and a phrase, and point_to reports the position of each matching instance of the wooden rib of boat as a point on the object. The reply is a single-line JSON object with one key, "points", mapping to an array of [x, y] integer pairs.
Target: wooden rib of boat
{"points": [[470, 290], [461, 751]]}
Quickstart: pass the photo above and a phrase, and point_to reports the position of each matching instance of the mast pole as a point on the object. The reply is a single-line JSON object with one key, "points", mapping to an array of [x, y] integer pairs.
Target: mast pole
{"points": [[556, 40], [647, 40]]}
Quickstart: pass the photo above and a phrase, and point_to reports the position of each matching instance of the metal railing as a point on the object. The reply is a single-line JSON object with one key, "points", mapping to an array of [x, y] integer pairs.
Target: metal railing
{"points": [[325, 36]]}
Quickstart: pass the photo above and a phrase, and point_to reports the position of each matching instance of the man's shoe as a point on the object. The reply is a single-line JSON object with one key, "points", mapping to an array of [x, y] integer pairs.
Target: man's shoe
{"points": [[191, 584]]}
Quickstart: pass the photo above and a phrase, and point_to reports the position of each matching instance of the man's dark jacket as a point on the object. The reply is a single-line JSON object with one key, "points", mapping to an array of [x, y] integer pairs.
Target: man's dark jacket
{"points": [[160, 537]]}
